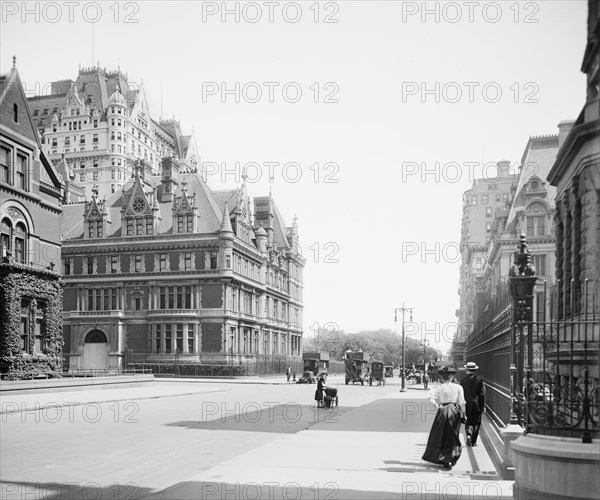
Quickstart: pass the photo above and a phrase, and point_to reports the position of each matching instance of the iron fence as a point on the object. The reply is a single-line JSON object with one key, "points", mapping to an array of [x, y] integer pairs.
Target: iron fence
{"points": [[556, 361]]}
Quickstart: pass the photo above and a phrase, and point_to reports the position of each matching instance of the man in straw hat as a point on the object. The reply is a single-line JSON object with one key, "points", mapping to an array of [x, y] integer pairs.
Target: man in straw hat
{"points": [[474, 389]]}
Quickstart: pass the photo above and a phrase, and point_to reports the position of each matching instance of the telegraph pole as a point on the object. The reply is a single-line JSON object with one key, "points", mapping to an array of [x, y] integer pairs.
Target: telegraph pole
{"points": [[403, 310]]}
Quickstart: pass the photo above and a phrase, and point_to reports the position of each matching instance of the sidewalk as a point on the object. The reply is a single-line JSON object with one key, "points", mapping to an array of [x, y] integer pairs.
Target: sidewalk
{"points": [[372, 451]]}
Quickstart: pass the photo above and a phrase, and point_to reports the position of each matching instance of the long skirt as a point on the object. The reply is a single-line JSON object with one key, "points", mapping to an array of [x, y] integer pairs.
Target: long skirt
{"points": [[443, 445], [319, 395]]}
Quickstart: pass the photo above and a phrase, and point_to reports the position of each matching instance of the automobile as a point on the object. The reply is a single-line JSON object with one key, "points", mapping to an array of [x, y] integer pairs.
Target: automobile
{"points": [[307, 378]]}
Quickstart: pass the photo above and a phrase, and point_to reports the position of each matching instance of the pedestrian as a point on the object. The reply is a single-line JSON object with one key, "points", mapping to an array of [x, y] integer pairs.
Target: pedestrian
{"points": [[443, 444], [426, 380], [474, 389], [319, 392], [288, 373]]}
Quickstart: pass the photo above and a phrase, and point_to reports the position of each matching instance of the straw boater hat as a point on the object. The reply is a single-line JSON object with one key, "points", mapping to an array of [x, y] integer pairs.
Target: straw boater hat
{"points": [[471, 366]]}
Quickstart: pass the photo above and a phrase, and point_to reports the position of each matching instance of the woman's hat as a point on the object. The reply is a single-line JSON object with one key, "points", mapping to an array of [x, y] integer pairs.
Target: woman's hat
{"points": [[471, 366], [446, 370]]}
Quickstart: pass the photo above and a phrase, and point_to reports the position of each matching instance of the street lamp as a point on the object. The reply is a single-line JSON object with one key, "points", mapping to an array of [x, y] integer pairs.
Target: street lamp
{"points": [[403, 310], [521, 283]]}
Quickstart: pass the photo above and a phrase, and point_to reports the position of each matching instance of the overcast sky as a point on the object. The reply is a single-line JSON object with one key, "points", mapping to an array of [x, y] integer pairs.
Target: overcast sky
{"points": [[371, 92]]}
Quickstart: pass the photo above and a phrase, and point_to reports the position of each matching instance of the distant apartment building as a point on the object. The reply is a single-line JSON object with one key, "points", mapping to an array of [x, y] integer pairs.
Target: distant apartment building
{"points": [[531, 212], [31, 194], [97, 126], [486, 198]]}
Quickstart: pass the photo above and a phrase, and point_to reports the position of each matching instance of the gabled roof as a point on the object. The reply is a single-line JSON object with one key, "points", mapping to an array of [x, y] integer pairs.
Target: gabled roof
{"points": [[537, 160], [11, 91]]}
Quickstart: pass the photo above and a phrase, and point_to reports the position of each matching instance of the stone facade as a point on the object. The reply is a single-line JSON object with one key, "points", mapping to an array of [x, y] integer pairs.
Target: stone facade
{"points": [[96, 127], [166, 269], [31, 193]]}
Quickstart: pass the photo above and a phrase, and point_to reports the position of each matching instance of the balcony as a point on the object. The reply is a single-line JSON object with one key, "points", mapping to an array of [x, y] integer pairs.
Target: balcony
{"points": [[115, 313]]}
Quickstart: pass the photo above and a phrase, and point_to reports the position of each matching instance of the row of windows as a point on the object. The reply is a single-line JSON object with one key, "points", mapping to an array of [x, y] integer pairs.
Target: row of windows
{"points": [[139, 226], [138, 261], [13, 240], [14, 167], [485, 199]]}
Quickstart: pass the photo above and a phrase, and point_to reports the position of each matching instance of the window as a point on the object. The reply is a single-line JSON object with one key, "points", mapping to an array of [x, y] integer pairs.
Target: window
{"points": [[485, 199], [137, 303], [213, 260], [190, 338], [139, 226], [535, 225], [82, 139], [190, 223], [474, 200], [162, 262], [20, 243], [95, 123], [168, 338], [25, 325], [5, 236], [488, 226], [149, 226], [539, 262], [15, 113], [179, 341], [138, 263], [488, 212], [113, 263], [54, 142], [187, 261], [129, 227], [90, 265], [498, 198], [95, 175], [505, 197], [158, 339], [67, 266], [5, 164], [103, 299]]}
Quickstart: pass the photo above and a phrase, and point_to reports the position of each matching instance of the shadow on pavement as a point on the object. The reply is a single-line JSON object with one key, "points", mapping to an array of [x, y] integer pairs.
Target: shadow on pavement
{"points": [[13, 490], [273, 490], [285, 419], [385, 415]]}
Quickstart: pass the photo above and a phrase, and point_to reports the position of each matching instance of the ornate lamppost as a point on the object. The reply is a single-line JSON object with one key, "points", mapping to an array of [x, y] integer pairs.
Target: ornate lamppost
{"points": [[521, 283], [403, 310]]}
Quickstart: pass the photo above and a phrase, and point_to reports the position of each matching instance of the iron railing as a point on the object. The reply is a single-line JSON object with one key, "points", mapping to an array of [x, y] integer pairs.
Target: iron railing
{"points": [[556, 362]]}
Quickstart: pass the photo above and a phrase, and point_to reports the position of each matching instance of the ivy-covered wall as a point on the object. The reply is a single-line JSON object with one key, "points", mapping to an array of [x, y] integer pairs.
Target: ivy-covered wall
{"points": [[43, 290]]}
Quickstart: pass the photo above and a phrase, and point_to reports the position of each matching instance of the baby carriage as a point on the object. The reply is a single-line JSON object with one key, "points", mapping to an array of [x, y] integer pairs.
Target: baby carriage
{"points": [[331, 398]]}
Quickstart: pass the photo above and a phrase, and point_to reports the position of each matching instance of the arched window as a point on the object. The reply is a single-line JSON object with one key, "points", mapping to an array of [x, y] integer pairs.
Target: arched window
{"points": [[6, 236], [20, 243], [96, 337]]}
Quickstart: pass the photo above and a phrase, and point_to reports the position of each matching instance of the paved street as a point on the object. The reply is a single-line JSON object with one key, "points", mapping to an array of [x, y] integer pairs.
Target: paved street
{"points": [[230, 440]]}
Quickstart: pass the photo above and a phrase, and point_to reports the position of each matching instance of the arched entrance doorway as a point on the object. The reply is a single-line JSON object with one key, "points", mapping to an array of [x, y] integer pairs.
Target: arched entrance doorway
{"points": [[95, 351]]}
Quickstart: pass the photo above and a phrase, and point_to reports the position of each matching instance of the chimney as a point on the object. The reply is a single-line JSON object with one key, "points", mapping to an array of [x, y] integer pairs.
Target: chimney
{"points": [[564, 127], [503, 168]]}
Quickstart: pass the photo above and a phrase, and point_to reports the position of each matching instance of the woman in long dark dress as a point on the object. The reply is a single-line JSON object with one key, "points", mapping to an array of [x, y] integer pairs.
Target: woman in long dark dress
{"points": [[443, 445], [319, 392]]}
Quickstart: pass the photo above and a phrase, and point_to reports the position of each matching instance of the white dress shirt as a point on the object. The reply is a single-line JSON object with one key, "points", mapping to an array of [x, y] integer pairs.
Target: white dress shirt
{"points": [[448, 392]]}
